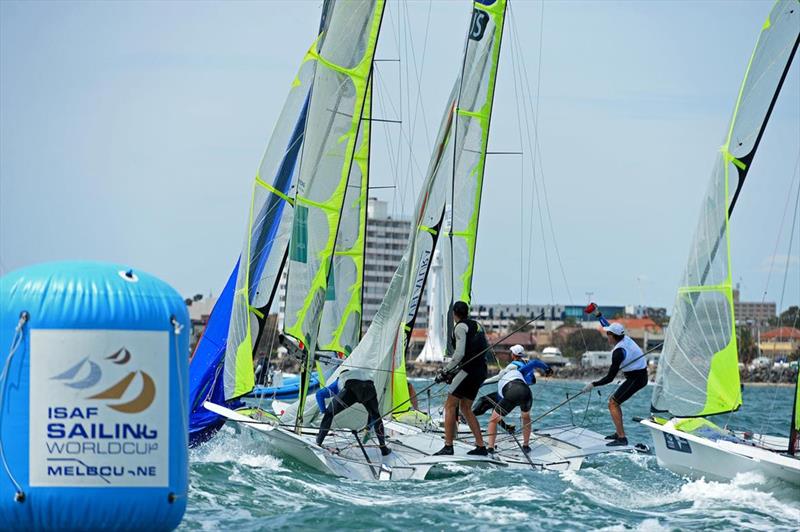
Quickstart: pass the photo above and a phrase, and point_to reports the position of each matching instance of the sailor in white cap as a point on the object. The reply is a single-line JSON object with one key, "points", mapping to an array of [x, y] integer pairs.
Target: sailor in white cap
{"points": [[513, 390], [628, 357]]}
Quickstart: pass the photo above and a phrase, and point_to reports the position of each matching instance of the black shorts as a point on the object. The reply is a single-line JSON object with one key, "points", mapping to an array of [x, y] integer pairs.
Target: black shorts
{"points": [[466, 385], [634, 381], [515, 394]]}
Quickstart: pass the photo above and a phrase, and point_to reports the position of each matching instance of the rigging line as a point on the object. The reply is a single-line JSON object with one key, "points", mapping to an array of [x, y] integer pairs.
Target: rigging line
{"points": [[405, 171], [780, 229], [403, 133], [517, 88], [536, 142], [399, 194], [529, 109], [534, 193], [537, 148], [458, 367], [419, 105], [767, 420], [393, 152], [408, 175]]}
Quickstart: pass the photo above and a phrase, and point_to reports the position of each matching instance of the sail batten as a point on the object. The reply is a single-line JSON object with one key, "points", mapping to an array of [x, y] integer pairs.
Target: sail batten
{"points": [[698, 373]]}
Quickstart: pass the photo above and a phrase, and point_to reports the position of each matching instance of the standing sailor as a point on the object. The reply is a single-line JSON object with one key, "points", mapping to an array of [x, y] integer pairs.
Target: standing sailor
{"points": [[513, 390], [469, 361], [351, 387], [626, 356], [518, 362]]}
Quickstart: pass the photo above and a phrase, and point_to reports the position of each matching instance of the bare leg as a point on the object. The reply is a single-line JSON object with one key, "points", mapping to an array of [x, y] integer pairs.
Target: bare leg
{"points": [[450, 419], [525, 418], [616, 416], [493, 427], [472, 421]]}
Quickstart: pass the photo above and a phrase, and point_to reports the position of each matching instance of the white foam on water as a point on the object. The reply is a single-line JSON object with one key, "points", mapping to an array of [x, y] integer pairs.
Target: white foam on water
{"points": [[498, 515], [651, 525], [227, 446], [745, 491]]}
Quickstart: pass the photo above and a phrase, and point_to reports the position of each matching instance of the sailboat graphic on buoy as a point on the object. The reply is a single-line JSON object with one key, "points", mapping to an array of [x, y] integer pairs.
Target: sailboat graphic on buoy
{"points": [[116, 391]]}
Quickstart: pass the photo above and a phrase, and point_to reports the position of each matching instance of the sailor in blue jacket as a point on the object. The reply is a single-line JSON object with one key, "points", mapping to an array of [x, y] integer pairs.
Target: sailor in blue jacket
{"points": [[512, 391]]}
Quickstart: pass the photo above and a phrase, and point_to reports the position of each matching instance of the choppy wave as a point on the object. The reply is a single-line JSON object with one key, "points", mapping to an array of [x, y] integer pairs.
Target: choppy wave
{"points": [[236, 484]]}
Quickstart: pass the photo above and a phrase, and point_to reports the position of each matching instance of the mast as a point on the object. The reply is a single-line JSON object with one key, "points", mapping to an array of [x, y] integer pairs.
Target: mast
{"points": [[794, 427]]}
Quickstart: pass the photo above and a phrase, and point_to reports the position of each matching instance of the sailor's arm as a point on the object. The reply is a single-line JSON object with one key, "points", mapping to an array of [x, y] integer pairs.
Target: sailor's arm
{"points": [[616, 361], [326, 392], [499, 376], [461, 344]]}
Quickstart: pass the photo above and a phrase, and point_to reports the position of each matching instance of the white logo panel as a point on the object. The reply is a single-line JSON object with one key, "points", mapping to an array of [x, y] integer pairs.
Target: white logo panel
{"points": [[99, 408]]}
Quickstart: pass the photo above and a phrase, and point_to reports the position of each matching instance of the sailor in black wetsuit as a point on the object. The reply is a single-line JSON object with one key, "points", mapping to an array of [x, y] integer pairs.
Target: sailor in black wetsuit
{"points": [[353, 386], [628, 357], [465, 373]]}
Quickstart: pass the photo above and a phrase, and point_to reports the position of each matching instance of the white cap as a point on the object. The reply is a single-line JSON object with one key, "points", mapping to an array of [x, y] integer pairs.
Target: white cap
{"points": [[615, 328], [517, 350]]}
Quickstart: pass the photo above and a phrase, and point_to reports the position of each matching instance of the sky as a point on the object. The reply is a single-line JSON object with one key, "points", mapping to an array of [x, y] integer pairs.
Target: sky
{"points": [[131, 131]]}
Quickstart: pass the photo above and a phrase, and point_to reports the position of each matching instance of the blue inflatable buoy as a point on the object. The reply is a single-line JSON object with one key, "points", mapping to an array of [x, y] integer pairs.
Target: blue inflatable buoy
{"points": [[93, 399]]}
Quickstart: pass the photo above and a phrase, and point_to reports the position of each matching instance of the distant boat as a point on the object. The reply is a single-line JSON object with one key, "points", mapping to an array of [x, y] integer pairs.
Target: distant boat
{"points": [[287, 390]]}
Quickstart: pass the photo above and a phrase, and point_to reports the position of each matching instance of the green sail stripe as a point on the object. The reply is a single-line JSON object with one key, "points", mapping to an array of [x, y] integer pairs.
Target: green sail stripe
{"points": [[359, 76], [356, 251], [245, 379], [273, 190], [305, 328], [704, 288], [497, 12], [427, 229]]}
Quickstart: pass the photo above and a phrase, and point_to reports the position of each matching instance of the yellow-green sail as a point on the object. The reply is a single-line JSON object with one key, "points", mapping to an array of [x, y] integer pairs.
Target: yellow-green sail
{"points": [[380, 356], [698, 371], [340, 324], [335, 116]]}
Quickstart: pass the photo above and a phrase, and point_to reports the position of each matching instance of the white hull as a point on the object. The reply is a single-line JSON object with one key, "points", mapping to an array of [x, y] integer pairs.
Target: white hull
{"points": [[554, 449], [695, 456], [404, 463]]}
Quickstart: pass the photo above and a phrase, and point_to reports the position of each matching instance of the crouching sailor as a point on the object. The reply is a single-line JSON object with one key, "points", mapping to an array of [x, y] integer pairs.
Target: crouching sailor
{"points": [[518, 362], [626, 356], [353, 386], [513, 390]]}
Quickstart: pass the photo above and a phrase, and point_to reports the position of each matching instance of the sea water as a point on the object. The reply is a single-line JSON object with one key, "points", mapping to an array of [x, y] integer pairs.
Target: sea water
{"points": [[238, 483]]}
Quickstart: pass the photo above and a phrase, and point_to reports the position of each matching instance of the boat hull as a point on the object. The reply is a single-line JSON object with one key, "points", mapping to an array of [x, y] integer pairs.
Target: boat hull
{"points": [[699, 457]]}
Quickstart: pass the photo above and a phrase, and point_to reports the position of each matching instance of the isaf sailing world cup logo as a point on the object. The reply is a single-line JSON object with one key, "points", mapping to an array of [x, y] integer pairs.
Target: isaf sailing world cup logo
{"points": [[91, 377]]}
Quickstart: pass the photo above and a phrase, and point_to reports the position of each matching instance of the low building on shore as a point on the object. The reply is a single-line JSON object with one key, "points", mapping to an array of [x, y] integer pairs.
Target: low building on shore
{"points": [[783, 342]]}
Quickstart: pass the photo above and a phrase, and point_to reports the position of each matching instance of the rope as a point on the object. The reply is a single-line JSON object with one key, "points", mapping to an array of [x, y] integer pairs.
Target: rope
{"points": [[176, 331], [15, 343], [460, 365], [766, 419]]}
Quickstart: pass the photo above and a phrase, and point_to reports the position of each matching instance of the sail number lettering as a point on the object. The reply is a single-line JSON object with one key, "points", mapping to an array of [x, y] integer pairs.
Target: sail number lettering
{"points": [[480, 19], [676, 443]]}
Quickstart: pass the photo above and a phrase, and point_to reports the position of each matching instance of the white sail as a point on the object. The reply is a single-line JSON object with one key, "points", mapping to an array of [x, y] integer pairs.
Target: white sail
{"points": [[434, 348]]}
